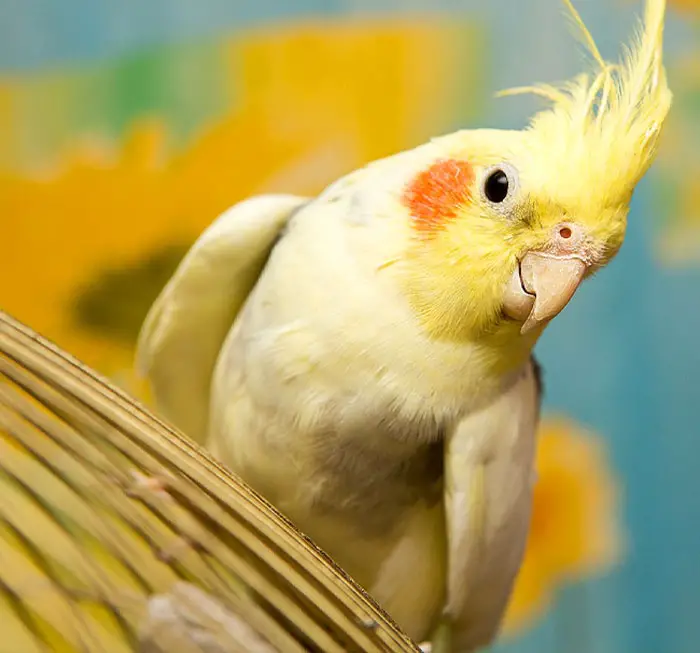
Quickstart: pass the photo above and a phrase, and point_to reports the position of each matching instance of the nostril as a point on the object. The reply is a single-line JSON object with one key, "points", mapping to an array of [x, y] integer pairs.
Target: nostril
{"points": [[565, 232]]}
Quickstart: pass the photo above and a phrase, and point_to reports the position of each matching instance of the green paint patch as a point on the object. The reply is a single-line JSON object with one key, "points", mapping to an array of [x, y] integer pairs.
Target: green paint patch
{"points": [[183, 85]]}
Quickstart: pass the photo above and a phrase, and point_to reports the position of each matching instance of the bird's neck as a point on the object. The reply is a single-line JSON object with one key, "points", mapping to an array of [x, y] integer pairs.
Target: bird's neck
{"points": [[506, 350]]}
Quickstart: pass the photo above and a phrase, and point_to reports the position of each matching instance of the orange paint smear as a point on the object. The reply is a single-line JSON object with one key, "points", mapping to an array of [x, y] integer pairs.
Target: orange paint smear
{"points": [[436, 194]]}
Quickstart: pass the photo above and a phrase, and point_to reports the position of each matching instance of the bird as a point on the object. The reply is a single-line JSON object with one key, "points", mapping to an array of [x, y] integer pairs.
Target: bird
{"points": [[364, 358]]}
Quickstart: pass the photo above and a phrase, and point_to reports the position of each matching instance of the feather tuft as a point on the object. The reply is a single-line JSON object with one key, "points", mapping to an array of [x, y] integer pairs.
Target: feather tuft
{"points": [[607, 124]]}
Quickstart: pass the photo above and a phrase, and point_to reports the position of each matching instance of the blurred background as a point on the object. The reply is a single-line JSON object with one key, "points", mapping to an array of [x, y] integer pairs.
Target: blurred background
{"points": [[127, 126]]}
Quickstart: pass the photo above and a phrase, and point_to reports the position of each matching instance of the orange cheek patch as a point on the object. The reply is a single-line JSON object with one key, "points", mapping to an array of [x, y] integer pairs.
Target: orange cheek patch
{"points": [[436, 194]]}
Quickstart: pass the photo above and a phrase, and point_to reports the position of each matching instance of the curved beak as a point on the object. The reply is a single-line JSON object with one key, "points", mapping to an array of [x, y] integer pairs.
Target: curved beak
{"points": [[541, 286]]}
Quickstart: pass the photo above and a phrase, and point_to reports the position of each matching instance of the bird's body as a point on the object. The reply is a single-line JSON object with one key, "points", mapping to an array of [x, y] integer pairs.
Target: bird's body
{"points": [[339, 411], [364, 358]]}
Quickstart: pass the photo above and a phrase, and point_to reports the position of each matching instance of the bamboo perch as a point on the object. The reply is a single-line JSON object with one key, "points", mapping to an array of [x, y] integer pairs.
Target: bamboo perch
{"points": [[118, 534]]}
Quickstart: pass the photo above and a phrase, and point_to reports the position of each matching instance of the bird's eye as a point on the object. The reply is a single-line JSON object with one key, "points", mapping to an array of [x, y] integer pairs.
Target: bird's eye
{"points": [[500, 184], [496, 186]]}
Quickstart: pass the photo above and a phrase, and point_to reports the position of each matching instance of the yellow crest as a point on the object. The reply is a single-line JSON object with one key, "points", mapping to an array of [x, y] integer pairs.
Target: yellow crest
{"points": [[606, 126]]}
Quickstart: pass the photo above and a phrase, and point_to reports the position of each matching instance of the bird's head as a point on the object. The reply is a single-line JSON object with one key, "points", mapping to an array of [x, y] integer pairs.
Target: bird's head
{"points": [[506, 224]]}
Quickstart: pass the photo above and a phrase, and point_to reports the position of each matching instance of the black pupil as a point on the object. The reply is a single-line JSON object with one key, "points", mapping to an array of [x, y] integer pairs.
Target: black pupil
{"points": [[496, 187]]}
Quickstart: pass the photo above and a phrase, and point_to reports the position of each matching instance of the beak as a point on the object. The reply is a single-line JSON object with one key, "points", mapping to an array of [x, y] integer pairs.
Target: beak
{"points": [[541, 286]]}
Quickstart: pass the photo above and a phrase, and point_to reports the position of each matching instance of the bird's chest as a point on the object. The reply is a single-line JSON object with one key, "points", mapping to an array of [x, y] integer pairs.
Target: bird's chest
{"points": [[369, 423], [377, 473]]}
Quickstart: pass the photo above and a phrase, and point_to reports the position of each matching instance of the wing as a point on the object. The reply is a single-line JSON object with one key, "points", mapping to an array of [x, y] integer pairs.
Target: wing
{"points": [[186, 326], [488, 496], [118, 534]]}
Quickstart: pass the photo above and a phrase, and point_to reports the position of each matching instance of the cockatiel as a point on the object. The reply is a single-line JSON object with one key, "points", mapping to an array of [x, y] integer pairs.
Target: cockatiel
{"points": [[364, 358]]}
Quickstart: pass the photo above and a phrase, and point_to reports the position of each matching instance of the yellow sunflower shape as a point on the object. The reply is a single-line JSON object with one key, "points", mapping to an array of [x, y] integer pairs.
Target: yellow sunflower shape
{"points": [[91, 238], [575, 530]]}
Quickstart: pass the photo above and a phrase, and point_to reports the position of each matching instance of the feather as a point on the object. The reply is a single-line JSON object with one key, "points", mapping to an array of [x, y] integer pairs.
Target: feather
{"points": [[608, 124], [183, 332]]}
